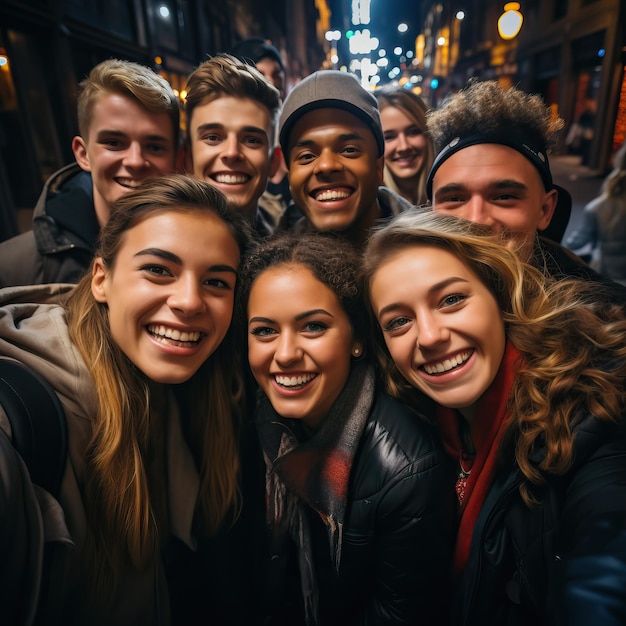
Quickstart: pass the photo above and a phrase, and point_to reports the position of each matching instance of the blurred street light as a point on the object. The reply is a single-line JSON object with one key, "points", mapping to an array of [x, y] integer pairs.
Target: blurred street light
{"points": [[510, 22]]}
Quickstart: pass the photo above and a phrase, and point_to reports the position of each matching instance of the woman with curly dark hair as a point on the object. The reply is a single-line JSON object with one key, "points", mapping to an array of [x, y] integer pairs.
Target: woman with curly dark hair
{"points": [[359, 519], [528, 377]]}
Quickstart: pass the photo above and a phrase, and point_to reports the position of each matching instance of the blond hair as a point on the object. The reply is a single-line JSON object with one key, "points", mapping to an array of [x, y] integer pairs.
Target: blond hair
{"points": [[132, 80], [571, 337]]}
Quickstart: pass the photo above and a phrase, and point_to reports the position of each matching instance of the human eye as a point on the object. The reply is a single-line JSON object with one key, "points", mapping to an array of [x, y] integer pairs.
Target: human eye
{"points": [[156, 270], [211, 137], [262, 331], [218, 283], [156, 148], [111, 143], [315, 327], [395, 324], [389, 136], [452, 300], [414, 131], [253, 140], [351, 151], [304, 157]]}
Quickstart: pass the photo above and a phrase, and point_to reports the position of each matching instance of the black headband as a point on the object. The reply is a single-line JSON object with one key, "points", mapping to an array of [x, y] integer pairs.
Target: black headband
{"points": [[538, 157]]}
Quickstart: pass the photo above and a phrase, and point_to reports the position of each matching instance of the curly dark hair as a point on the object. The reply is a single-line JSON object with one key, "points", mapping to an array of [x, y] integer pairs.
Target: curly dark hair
{"points": [[331, 259], [487, 108]]}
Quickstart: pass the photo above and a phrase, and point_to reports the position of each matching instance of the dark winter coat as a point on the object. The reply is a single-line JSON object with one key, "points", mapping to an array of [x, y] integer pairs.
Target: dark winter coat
{"points": [[61, 244], [562, 562]]}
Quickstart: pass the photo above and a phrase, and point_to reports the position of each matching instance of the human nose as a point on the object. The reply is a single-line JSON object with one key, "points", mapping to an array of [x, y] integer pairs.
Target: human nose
{"points": [[186, 297], [430, 330], [401, 142], [477, 210], [287, 351], [327, 162], [231, 147], [134, 156]]}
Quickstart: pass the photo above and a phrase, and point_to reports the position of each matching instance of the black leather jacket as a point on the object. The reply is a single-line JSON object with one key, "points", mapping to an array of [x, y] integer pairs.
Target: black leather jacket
{"points": [[562, 562], [397, 536]]}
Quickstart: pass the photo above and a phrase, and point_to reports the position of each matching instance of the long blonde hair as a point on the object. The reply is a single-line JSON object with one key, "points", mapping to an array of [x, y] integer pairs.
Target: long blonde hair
{"points": [[571, 337], [119, 496]]}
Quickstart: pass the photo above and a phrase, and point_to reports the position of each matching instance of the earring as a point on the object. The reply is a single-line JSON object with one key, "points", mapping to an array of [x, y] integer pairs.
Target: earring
{"points": [[356, 351]]}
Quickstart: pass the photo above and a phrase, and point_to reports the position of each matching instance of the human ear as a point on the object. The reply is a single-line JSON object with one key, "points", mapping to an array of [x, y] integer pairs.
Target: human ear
{"points": [[547, 209], [98, 280], [79, 148]]}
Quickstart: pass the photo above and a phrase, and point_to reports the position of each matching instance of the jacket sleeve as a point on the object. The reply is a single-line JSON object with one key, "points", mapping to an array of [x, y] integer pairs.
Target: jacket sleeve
{"points": [[586, 233], [590, 571], [21, 538], [413, 548]]}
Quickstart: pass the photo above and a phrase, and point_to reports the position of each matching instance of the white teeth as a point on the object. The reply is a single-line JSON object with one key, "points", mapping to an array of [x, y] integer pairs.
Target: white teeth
{"points": [[331, 194], [447, 364], [173, 333], [128, 182], [231, 179], [294, 381]]}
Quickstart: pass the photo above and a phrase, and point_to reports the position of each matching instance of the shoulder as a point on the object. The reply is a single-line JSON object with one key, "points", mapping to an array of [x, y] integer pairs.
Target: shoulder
{"points": [[396, 439], [391, 203], [20, 261]]}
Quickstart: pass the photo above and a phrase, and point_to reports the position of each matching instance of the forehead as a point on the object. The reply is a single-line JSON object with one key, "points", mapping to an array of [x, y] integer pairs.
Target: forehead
{"points": [[392, 115], [485, 164], [329, 123], [232, 112], [110, 109]]}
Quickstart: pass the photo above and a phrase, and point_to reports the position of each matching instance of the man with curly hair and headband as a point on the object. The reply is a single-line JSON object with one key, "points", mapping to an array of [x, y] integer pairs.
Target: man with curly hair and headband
{"points": [[492, 167]]}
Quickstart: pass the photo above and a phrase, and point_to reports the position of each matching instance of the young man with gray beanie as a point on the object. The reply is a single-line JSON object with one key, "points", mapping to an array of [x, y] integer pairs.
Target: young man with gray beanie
{"points": [[331, 135]]}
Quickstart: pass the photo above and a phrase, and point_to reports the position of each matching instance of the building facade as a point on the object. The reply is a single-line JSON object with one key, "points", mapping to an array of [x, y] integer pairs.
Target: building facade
{"points": [[48, 46]]}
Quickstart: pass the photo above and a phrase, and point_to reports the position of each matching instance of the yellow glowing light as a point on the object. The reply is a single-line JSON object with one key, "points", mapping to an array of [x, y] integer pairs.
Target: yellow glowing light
{"points": [[510, 22]]}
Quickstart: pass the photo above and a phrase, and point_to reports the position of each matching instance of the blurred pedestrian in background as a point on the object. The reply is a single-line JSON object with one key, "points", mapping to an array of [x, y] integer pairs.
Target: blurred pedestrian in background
{"points": [[408, 147], [603, 224], [129, 123]]}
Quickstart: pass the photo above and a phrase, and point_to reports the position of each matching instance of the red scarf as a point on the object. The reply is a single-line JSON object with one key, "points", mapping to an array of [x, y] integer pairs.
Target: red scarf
{"points": [[487, 428]]}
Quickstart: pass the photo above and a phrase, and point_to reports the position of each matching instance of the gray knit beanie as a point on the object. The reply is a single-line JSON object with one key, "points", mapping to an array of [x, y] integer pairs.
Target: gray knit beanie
{"points": [[330, 89]]}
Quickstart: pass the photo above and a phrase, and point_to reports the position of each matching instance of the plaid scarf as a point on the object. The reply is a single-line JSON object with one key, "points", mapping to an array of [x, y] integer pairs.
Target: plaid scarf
{"points": [[314, 471]]}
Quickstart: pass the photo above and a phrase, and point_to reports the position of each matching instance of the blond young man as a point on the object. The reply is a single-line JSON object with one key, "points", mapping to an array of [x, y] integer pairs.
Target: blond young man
{"points": [[129, 124]]}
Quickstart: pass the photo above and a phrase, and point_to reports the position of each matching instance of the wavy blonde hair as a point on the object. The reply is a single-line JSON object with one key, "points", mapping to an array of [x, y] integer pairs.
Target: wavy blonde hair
{"points": [[121, 495], [415, 109], [571, 337]]}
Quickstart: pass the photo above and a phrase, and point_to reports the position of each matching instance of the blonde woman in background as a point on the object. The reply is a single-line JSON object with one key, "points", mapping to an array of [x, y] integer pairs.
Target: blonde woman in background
{"points": [[408, 149]]}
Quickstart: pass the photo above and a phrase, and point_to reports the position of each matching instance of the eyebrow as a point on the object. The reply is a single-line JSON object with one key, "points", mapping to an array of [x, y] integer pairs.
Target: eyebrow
{"points": [[504, 183], [345, 137], [174, 258], [119, 133], [433, 289], [218, 126], [298, 317]]}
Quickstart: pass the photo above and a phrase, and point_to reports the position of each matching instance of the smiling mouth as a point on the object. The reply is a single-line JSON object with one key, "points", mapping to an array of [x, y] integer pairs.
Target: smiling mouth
{"points": [[173, 336], [446, 365], [329, 195], [231, 179], [293, 382], [129, 183]]}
